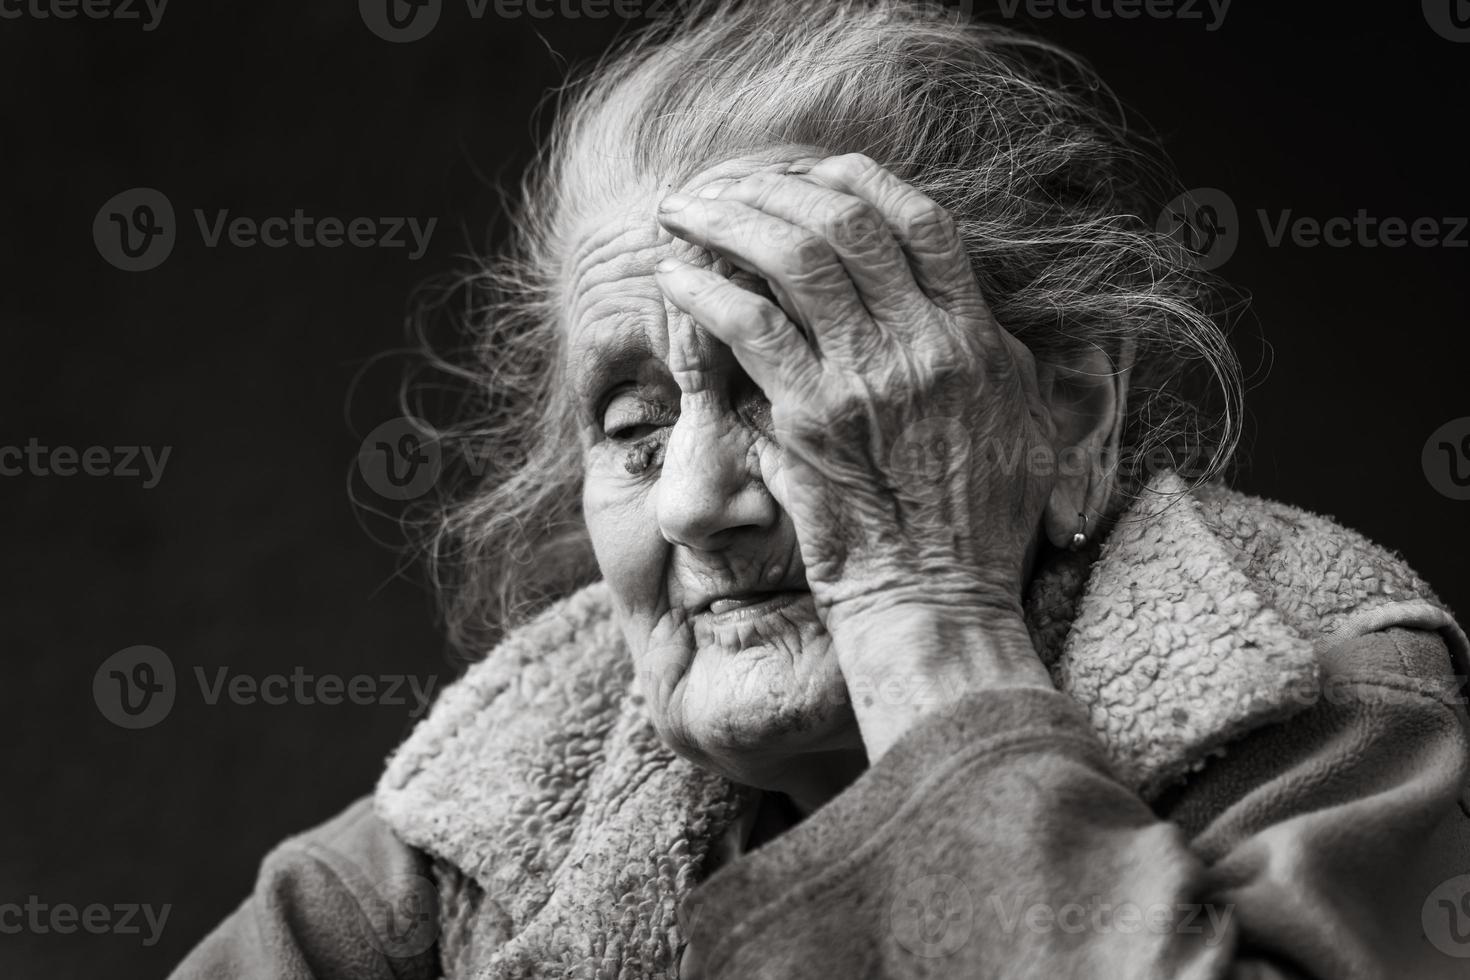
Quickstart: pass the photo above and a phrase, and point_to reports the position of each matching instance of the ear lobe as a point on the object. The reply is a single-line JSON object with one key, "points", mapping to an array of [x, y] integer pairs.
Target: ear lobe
{"points": [[1087, 399]]}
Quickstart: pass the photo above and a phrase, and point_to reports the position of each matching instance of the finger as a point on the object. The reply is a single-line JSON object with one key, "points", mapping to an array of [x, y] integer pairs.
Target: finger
{"points": [[690, 350], [700, 184], [776, 471], [855, 229], [926, 231], [802, 269], [764, 341]]}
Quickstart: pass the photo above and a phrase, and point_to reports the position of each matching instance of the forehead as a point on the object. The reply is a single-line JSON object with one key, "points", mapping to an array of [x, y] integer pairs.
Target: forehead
{"points": [[613, 307], [611, 304]]}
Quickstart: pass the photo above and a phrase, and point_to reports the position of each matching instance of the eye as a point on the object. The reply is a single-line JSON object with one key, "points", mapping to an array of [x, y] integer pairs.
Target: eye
{"points": [[755, 408], [627, 432], [629, 415]]}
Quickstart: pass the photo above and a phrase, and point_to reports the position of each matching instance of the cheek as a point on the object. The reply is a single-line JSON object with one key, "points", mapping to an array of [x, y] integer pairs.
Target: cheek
{"points": [[625, 539]]}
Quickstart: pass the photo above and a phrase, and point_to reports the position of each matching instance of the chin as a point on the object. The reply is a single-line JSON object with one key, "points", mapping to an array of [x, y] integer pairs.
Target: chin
{"points": [[742, 693], [742, 712]]}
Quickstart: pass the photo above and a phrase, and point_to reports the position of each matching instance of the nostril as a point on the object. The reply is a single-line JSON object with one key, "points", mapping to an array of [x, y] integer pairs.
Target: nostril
{"points": [[709, 484]]}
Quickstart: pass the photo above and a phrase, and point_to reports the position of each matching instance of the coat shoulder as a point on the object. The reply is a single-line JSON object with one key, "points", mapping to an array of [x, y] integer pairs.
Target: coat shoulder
{"points": [[347, 898], [1325, 579]]}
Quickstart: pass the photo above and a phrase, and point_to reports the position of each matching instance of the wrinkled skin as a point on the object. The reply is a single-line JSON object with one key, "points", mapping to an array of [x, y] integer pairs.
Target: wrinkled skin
{"points": [[791, 396]]}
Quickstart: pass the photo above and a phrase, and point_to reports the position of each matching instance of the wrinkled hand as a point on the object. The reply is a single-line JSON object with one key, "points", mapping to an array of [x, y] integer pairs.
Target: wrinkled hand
{"points": [[897, 400]]}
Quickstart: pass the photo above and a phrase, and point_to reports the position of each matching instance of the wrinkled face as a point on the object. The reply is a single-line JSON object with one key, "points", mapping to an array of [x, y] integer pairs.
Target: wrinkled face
{"points": [[703, 564]]}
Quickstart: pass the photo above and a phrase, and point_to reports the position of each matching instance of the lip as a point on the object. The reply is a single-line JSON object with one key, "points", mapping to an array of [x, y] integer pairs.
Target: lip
{"points": [[745, 606]]}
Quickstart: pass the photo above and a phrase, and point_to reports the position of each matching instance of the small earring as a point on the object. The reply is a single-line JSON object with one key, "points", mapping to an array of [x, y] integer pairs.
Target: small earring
{"points": [[1079, 540]]}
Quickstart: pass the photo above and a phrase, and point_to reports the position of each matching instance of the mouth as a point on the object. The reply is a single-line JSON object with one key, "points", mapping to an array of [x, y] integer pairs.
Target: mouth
{"points": [[747, 606]]}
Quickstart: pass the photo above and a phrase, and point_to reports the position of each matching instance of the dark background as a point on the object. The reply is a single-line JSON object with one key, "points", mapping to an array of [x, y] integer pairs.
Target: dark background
{"points": [[248, 554]]}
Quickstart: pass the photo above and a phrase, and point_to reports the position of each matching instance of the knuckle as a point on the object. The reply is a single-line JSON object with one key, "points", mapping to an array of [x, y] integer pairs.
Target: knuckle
{"points": [[718, 224], [794, 418], [854, 165], [766, 326], [769, 319], [926, 223], [854, 402], [946, 367], [759, 188], [811, 257], [854, 225]]}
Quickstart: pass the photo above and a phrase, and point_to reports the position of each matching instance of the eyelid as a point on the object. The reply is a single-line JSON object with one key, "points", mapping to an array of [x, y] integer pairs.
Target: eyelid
{"points": [[599, 406], [659, 411], [620, 394]]}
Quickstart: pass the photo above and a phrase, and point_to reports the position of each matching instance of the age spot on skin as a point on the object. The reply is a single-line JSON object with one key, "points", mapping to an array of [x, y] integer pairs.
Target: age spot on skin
{"points": [[643, 454]]}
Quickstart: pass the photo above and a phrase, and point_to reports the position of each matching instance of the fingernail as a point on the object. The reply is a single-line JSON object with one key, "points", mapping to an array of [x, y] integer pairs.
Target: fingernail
{"points": [[712, 191], [666, 265], [675, 202]]}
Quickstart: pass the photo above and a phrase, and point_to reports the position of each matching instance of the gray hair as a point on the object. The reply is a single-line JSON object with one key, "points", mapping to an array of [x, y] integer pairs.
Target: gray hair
{"points": [[1053, 194]]}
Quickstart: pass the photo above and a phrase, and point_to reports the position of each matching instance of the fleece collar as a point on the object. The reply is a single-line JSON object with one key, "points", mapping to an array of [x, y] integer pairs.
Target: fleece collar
{"points": [[1171, 649], [538, 775]]}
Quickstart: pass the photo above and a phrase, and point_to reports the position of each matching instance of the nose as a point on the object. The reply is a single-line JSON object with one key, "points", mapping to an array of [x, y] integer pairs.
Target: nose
{"points": [[710, 486]]}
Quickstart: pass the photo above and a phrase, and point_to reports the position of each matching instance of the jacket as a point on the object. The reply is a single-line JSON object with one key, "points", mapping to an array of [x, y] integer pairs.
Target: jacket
{"points": [[1255, 764]]}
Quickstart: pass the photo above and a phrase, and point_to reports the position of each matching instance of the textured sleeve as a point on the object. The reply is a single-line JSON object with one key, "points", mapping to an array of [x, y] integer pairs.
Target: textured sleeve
{"points": [[346, 900], [997, 842]]}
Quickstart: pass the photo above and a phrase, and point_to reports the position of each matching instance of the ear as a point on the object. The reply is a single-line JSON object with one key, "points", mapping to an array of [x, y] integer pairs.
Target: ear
{"points": [[1087, 401]]}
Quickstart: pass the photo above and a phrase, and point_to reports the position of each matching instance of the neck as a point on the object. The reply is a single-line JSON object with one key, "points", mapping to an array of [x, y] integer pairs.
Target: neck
{"points": [[821, 777]]}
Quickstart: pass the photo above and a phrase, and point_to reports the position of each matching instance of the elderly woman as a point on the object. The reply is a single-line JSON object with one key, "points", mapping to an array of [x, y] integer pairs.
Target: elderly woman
{"points": [[839, 347]]}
